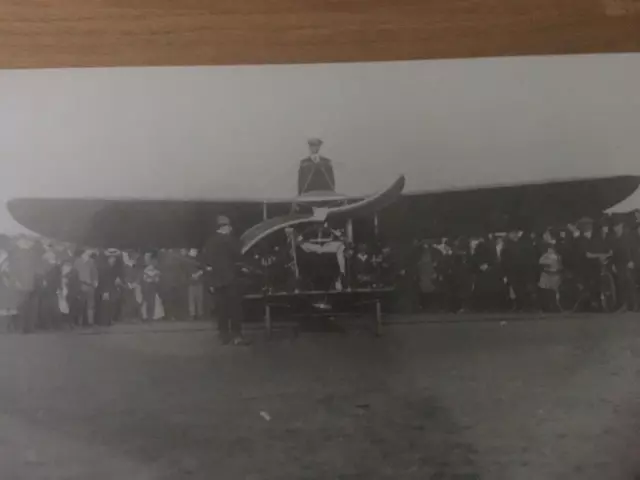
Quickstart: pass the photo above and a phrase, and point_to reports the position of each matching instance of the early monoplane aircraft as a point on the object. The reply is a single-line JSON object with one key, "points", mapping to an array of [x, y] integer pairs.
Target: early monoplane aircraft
{"points": [[395, 215], [157, 223]]}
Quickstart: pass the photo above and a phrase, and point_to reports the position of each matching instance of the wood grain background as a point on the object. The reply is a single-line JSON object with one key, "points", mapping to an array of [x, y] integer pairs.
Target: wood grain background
{"points": [[65, 33]]}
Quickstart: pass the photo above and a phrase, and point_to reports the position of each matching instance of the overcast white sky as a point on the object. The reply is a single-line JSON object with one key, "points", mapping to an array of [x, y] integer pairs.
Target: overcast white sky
{"points": [[240, 131]]}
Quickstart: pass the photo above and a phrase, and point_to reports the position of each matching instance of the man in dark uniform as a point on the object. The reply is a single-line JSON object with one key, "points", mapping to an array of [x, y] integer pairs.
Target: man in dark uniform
{"points": [[315, 172], [488, 292], [222, 255], [622, 244]]}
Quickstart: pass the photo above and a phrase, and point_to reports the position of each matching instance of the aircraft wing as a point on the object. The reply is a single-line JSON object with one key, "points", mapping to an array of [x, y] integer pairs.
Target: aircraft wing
{"points": [[131, 223], [503, 207], [186, 223]]}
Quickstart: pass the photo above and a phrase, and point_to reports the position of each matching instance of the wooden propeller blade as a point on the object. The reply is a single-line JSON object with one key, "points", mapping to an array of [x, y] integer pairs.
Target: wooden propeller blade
{"points": [[81, 33]]}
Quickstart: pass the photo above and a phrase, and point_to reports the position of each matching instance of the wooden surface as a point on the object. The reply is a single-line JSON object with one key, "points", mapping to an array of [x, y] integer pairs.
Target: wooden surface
{"points": [[61, 33]]}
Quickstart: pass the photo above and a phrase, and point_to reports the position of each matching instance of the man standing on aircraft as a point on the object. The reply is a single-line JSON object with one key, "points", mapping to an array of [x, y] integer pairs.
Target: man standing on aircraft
{"points": [[316, 172], [222, 255]]}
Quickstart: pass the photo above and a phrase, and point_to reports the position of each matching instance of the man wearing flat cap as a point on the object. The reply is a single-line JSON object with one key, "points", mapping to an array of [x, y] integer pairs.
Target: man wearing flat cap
{"points": [[221, 256], [316, 172]]}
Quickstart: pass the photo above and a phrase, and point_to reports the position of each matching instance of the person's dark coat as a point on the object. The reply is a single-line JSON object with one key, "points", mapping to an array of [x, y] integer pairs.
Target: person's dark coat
{"points": [[221, 256], [73, 285], [489, 278], [461, 274], [514, 263], [51, 279], [108, 275], [529, 254], [623, 250], [583, 246]]}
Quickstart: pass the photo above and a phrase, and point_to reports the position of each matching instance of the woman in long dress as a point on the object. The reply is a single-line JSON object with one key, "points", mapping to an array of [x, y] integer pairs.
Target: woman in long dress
{"points": [[550, 278]]}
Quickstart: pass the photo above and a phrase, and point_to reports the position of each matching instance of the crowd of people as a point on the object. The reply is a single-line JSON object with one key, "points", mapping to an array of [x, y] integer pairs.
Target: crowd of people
{"points": [[552, 270], [50, 285], [590, 266]]}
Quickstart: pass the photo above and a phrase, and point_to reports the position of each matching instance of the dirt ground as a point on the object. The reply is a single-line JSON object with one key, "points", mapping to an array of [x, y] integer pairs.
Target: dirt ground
{"points": [[553, 398]]}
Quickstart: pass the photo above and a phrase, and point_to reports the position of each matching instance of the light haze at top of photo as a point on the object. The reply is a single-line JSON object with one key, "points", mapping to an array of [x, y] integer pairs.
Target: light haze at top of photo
{"points": [[208, 132]]}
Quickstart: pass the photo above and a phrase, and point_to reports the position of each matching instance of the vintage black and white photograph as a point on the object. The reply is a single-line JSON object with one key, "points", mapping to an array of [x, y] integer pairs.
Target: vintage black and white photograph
{"points": [[388, 270]]}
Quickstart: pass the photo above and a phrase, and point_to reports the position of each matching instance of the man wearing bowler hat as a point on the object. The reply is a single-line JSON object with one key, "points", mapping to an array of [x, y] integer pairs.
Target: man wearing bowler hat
{"points": [[222, 255], [316, 172]]}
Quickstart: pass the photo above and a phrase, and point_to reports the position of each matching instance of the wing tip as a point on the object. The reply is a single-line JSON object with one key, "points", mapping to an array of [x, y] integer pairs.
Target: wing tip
{"points": [[401, 182], [627, 185], [13, 206]]}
